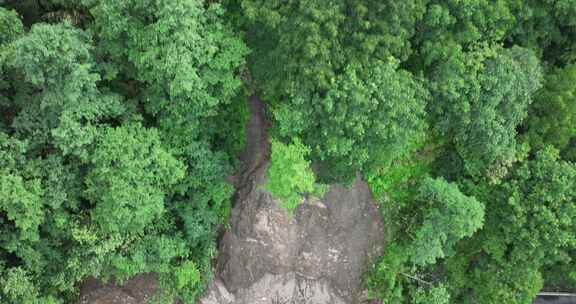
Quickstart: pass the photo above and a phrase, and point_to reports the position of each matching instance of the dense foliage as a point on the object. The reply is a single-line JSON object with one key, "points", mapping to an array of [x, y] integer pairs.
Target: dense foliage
{"points": [[449, 216], [454, 111], [111, 162], [120, 122], [289, 175], [332, 81]]}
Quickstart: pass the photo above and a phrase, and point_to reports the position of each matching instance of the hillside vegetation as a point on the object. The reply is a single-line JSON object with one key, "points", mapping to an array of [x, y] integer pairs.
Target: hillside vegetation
{"points": [[120, 122]]}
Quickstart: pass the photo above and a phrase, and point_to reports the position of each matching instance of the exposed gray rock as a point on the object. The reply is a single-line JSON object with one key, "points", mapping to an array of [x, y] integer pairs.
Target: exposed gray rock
{"points": [[315, 256], [277, 289]]}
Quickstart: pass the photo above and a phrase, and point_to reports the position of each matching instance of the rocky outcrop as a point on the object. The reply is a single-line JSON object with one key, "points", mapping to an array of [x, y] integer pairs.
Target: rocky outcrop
{"points": [[317, 255]]}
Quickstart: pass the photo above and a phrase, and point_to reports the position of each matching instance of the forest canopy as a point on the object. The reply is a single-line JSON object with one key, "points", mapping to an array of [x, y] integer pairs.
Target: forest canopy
{"points": [[122, 121]]}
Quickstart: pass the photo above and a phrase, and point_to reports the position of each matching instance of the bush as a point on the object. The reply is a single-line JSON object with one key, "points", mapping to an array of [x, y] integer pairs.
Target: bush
{"points": [[289, 174]]}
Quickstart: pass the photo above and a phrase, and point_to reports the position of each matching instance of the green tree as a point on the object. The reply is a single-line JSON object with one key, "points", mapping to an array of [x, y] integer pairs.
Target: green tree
{"points": [[515, 283], [10, 29], [129, 178], [449, 217], [57, 62], [546, 26], [21, 204], [479, 98], [433, 295], [10, 26], [289, 174], [179, 61], [385, 279], [453, 25], [108, 179], [529, 225], [166, 254], [535, 223], [18, 288], [358, 121], [180, 51], [553, 114], [20, 199], [329, 72]]}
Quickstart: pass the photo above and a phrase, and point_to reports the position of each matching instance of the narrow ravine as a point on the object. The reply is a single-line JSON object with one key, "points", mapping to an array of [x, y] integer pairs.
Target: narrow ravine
{"points": [[257, 151], [257, 144]]}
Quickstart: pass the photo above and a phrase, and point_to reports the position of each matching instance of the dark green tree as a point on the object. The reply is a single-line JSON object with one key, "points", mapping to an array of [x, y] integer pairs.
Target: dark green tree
{"points": [[449, 217], [183, 61], [529, 224], [130, 175], [56, 62], [547, 27], [329, 72], [552, 116], [479, 99]]}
